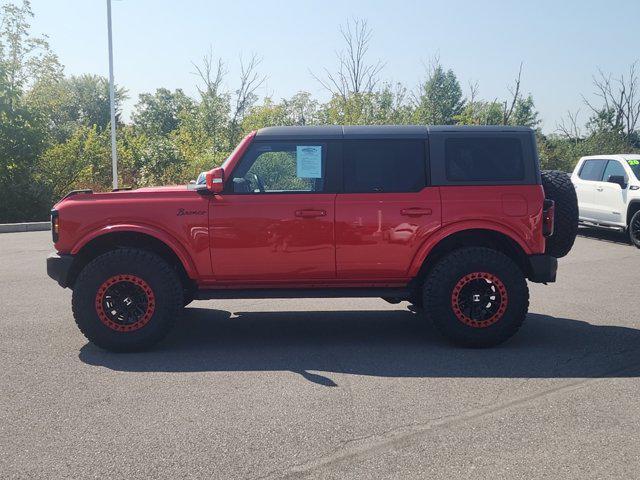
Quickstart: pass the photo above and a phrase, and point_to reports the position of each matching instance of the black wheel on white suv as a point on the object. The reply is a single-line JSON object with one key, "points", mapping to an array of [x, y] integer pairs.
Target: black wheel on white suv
{"points": [[634, 229]]}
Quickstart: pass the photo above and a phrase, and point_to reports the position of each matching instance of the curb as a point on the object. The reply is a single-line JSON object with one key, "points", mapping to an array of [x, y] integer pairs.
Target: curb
{"points": [[25, 227]]}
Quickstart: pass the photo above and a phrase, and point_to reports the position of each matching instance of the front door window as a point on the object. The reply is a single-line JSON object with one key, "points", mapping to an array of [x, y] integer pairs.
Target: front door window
{"points": [[281, 168]]}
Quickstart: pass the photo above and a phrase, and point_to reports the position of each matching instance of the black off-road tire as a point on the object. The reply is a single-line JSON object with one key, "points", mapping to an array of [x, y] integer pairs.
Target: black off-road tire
{"points": [[188, 296], [476, 264], [634, 229], [160, 286], [558, 187]]}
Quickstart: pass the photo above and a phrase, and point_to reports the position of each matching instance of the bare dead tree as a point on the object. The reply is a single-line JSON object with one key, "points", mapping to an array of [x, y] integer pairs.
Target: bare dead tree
{"points": [[213, 101], [211, 74], [250, 81], [620, 99], [568, 127], [473, 92], [355, 74], [509, 106]]}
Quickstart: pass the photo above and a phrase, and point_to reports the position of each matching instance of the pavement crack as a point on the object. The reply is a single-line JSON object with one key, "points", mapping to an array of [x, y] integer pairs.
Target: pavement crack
{"points": [[405, 435]]}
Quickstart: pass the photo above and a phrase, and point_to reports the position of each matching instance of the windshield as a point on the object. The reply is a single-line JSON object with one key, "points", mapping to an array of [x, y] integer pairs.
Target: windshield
{"points": [[635, 167]]}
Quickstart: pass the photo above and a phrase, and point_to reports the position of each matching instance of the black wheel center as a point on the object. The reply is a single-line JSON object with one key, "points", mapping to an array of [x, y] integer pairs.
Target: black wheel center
{"points": [[124, 303], [635, 227], [479, 299]]}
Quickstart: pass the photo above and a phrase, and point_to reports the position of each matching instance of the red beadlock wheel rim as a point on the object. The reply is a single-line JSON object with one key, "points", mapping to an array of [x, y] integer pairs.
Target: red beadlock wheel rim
{"points": [[125, 303], [479, 299]]}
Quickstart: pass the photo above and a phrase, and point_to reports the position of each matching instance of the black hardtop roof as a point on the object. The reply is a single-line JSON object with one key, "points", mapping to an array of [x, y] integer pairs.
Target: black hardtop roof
{"points": [[374, 131]]}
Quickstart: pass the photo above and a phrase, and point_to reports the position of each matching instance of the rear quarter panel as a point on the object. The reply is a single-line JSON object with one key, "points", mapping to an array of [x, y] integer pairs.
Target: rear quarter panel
{"points": [[515, 211]]}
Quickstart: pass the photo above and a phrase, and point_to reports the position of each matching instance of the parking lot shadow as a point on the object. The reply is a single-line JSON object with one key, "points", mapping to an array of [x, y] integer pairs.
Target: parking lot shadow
{"points": [[612, 236], [381, 343]]}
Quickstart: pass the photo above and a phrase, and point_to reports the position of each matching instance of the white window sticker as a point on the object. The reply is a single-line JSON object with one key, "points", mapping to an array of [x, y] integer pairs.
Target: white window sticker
{"points": [[309, 161]]}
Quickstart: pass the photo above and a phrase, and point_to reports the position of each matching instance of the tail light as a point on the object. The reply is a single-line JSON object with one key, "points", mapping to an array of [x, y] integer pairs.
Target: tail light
{"points": [[55, 225], [548, 215]]}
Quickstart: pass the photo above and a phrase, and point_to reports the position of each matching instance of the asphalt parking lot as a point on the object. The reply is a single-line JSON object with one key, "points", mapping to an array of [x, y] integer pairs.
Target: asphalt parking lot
{"points": [[324, 389]]}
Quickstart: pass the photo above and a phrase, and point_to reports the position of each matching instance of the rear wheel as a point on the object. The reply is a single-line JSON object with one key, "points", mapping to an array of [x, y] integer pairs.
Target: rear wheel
{"points": [[126, 299], [476, 297], [634, 229], [188, 296]]}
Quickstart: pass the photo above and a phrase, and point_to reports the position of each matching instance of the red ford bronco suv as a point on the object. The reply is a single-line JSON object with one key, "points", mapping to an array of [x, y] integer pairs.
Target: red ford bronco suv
{"points": [[451, 219]]}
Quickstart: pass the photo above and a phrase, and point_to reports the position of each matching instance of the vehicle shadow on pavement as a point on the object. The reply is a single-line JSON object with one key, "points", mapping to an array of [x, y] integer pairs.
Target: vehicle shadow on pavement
{"points": [[392, 343], [611, 236]]}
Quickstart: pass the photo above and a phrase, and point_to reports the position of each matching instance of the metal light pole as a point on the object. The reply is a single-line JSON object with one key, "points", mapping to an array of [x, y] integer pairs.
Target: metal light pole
{"points": [[112, 101]]}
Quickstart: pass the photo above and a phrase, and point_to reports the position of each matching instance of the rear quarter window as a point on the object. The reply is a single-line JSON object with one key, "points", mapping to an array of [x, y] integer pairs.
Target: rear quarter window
{"points": [[478, 156], [469, 159]]}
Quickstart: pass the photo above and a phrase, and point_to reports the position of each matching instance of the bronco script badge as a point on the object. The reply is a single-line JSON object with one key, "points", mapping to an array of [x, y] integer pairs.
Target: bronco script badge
{"points": [[182, 212]]}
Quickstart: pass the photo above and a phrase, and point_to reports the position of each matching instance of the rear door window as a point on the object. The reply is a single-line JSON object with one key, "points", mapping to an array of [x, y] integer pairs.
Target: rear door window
{"points": [[592, 170], [477, 158], [384, 166]]}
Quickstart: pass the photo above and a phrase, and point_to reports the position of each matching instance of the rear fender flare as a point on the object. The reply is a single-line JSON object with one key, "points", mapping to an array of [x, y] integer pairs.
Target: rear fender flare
{"points": [[451, 229]]}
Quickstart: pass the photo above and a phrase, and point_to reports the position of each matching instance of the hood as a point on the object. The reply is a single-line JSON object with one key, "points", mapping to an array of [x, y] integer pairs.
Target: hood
{"points": [[125, 194]]}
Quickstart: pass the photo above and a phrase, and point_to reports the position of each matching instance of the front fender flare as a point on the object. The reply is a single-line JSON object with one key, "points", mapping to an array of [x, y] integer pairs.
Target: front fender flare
{"points": [[155, 232]]}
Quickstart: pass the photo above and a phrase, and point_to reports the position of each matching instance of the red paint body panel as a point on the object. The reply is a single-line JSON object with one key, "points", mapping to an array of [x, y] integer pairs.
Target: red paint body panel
{"points": [[153, 212], [515, 210], [378, 234], [272, 237], [491, 211]]}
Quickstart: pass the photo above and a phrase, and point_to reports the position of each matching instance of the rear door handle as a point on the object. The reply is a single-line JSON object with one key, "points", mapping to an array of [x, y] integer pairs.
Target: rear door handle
{"points": [[309, 213], [599, 189], [415, 211]]}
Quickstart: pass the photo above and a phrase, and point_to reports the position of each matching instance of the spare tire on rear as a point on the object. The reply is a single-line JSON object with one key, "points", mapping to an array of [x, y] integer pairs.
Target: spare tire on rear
{"points": [[558, 187]]}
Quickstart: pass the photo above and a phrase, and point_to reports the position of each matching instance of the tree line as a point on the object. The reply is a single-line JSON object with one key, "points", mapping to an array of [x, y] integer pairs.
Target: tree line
{"points": [[54, 128]]}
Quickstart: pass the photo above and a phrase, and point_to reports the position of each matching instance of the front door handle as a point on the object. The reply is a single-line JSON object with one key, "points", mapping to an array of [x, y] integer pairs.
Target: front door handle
{"points": [[599, 189], [310, 213], [415, 212]]}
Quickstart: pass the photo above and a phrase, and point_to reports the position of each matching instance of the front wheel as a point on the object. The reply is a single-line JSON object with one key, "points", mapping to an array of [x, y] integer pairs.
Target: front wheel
{"points": [[126, 299], [634, 229], [476, 297]]}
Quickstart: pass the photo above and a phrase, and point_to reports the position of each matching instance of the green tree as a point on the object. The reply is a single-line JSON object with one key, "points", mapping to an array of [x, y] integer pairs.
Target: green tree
{"points": [[159, 113], [478, 112], [83, 161], [440, 99], [21, 199], [268, 114], [24, 57], [65, 104]]}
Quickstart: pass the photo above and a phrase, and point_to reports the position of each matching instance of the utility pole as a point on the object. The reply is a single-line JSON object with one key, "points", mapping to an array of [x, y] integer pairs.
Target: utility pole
{"points": [[112, 101]]}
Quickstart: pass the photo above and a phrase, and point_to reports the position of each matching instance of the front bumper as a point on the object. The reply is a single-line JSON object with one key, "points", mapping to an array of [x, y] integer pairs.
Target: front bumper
{"points": [[542, 268], [58, 268]]}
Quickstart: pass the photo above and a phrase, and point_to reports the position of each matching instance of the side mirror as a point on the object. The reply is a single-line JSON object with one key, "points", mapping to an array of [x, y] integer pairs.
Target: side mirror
{"points": [[618, 179], [215, 180]]}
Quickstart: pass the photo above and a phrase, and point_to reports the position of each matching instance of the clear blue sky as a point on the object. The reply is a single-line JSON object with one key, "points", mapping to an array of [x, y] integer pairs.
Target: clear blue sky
{"points": [[561, 43]]}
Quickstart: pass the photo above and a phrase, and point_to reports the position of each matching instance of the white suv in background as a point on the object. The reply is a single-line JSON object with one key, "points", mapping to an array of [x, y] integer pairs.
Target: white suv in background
{"points": [[608, 190]]}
